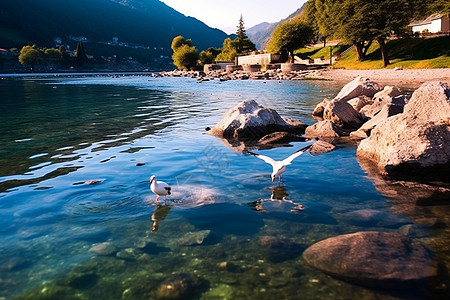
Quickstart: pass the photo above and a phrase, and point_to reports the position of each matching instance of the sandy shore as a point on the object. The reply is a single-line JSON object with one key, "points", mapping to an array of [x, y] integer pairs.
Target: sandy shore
{"points": [[406, 78]]}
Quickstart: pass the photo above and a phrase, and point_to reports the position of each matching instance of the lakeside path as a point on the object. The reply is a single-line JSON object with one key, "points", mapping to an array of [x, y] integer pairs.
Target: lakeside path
{"points": [[406, 77]]}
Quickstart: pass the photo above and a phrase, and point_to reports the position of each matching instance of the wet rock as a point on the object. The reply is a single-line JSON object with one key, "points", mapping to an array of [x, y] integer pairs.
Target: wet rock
{"points": [[93, 181], [127, 254], [14, 264], [278, 250], [139, 164], [359, 86], [325, 128], [250, 121], [415, 143], [374, 259], [229, 266], [103, 249], [279, 137], [320, 147], [178, 286], [193, 238], [373, 218], [81, 280], [297, 126], [414, 231]]}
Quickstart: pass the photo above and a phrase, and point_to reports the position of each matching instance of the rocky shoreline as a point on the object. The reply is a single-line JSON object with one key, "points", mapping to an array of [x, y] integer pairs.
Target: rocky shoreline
{"points": [[399, 136], [222, 75], [411, 78]]}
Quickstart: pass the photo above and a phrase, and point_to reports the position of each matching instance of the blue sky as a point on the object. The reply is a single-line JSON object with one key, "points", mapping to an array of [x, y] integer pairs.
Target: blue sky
{"points": [[225, 14]]}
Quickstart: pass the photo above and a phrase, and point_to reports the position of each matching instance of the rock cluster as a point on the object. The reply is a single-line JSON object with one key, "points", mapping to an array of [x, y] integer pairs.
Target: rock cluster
{"points": [[401, 136], [417, 141], [222, 75]]}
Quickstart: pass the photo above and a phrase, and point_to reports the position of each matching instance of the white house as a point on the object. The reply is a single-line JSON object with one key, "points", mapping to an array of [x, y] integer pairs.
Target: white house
{"points": [[436, 23]]}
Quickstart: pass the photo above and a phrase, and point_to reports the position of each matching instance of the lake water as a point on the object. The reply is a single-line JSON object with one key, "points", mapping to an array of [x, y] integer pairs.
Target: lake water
{"points": [[76, 156]]}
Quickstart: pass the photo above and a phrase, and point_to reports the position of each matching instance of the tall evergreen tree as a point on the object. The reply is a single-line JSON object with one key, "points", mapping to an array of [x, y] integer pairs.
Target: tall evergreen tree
{"points": [[242, 43], [80, 54]]}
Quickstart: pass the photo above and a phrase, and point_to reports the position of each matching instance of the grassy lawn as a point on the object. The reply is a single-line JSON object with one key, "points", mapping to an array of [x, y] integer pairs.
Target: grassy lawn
{"points": [[406, 53]]}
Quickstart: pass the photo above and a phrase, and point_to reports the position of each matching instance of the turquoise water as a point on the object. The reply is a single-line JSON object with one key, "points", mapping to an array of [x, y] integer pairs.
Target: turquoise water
{"points": [[76, 156]]}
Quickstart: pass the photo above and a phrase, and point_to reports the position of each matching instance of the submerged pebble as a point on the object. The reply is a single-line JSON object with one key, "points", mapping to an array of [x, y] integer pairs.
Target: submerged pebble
{"points": [[194, 238], [103, 249], [178, 286]]}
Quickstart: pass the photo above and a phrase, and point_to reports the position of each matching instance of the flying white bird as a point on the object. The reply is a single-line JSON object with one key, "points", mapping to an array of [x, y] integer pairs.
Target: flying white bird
{"points": [[279, 166], [160, 188]]}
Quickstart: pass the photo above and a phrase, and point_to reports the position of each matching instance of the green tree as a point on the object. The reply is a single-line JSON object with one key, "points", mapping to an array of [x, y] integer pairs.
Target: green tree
{"points": [[52, 55], [30, 55], [242, 43], [289, 36], [185, 57], [179, 41], [206, 57], [361, 22], [229, 51]]}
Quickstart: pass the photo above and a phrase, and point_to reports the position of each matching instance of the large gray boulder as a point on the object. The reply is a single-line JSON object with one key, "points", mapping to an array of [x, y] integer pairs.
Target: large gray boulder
{"points": [[359, 86], [342, 114], [374, 259], [250, 121], [324, 128], [416, 142]]}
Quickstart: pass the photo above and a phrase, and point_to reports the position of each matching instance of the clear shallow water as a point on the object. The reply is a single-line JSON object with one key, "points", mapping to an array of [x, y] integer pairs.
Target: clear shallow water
{"points": [[57, 134]]}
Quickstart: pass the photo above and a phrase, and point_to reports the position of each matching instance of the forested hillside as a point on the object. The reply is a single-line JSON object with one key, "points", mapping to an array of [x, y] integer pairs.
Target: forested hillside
{"points": [[104, 26]]}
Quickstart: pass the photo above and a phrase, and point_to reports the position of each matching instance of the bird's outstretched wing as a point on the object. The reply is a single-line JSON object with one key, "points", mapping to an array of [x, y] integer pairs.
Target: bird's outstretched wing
{"points": [[263, 157], [297, 153]]}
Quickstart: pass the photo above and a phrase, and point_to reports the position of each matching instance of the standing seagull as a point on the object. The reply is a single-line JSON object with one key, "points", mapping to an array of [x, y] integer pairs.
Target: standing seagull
{"points": [[160, 188], [279, 166]]}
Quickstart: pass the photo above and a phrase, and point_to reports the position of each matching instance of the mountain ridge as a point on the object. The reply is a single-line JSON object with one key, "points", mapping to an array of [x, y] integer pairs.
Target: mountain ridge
{"points": [[104, 26], [260, 33]]}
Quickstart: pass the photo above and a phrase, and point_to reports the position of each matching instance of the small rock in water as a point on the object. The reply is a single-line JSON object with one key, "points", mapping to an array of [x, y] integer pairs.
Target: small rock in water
{"points": [[127, 254], [207, 128], [140, 164], [194, 238], [103, 249], [15, 264], [178, 286], [374, 259], [278, 250]]}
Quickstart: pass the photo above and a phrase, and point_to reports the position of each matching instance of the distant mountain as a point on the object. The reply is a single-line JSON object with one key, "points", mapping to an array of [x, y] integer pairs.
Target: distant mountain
{"points": [[260, 34], [140, 28]]}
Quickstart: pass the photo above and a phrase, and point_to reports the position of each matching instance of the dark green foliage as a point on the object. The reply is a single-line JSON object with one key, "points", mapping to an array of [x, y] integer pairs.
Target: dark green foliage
{"points": [[361, 22], [185, 55], [289, 36], [80, 55], [242, 43], [206, 57], [149, 23]]}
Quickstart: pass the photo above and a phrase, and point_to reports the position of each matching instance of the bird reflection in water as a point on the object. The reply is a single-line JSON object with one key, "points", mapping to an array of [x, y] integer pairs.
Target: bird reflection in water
{"points": [[278, 195], [160, 214]]}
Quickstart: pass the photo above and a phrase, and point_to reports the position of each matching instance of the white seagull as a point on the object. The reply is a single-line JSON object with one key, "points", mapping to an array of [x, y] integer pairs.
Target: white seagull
{"points": [[279, 166], [160, 188]]}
